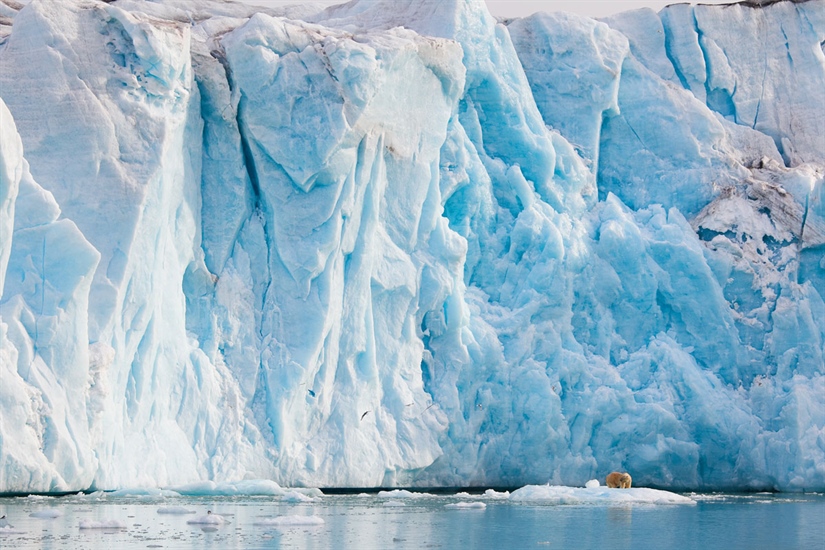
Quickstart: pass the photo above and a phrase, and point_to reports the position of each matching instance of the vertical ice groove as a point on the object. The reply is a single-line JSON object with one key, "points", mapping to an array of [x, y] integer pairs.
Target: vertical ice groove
{"points": [[720, 83], [762, 96], [703, 49], [249, 160], [804, 219], [671, 48]]}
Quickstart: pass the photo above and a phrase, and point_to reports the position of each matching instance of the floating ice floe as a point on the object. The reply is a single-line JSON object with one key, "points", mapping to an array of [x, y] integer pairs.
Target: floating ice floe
{"points": [[103, 524], [466, 506], [290, 521], [208, 519], [295, 496], [48, 513], [175, 510], [555, 495]]}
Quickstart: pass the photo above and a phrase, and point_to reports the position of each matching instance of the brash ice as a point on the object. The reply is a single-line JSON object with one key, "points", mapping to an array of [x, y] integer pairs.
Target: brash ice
{"points": [[402, 243]]}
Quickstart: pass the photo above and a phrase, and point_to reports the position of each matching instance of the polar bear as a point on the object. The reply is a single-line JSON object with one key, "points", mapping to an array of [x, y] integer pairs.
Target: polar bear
{"points": [[617, 480]]}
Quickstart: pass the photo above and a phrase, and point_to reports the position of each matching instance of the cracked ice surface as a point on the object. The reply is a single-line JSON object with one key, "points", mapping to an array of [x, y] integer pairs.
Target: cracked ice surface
{"points": [[402, 243]]}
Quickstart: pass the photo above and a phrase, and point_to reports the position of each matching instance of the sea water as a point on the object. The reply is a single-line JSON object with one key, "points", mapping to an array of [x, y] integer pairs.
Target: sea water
{"points": [[716, 521]]}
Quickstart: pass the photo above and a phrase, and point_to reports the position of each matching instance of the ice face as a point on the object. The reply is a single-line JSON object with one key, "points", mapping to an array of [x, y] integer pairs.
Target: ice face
{"points": [[402, 243], [44, 351], [733, 80], [11, 164], [573, 65], [133, 154]]}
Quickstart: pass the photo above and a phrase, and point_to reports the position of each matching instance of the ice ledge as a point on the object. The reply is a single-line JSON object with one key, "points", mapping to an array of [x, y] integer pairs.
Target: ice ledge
{"points": [[558, 495]]}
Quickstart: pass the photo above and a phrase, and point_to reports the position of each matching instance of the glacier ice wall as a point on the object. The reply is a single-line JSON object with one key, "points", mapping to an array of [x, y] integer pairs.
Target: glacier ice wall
{"points": [[405, 243]]}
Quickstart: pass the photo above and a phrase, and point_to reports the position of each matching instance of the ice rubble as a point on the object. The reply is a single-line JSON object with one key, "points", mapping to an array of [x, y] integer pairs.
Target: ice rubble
{"points": [[404, 243]]}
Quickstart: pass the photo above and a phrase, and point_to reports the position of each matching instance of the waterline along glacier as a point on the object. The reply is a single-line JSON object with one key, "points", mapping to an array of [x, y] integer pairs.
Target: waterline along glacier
{"points": [[405, 243]]}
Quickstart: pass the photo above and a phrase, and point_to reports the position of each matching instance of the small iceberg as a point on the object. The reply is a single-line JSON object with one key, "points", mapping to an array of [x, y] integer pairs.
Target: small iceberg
{"points": [[290, 521], [175, 510], [466, 505], [295, 496], [557, 495], [104, 524], [48, 513], [208, 519]]}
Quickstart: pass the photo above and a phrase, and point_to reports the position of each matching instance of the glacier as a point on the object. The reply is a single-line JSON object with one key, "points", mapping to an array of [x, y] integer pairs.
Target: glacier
{"points": [[405, 243]]}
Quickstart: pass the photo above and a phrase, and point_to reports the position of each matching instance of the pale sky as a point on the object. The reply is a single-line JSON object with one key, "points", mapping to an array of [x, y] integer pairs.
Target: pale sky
{"points": [[521, 8]]}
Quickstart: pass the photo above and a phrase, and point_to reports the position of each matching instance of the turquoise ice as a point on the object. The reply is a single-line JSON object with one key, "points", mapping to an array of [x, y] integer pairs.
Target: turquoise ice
{"points": [[404, 243]]}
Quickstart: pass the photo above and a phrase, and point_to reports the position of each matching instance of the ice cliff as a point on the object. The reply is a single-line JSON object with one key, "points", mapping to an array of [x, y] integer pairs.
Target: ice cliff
{"points": [[404, 243]]}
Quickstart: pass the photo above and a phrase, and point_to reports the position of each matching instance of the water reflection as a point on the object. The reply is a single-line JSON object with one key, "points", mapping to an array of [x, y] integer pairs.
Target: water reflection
{"points": [[621, 515], [724, 522]]}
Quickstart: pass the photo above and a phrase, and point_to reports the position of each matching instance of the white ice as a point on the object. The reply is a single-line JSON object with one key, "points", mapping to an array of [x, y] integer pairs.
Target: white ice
{"points": [[557, 495], [295, 496], [466, 505], [208, 519]]}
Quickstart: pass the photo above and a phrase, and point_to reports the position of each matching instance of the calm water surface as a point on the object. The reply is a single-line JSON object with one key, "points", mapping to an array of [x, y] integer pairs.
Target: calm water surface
{"points": [[716, 522]]}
